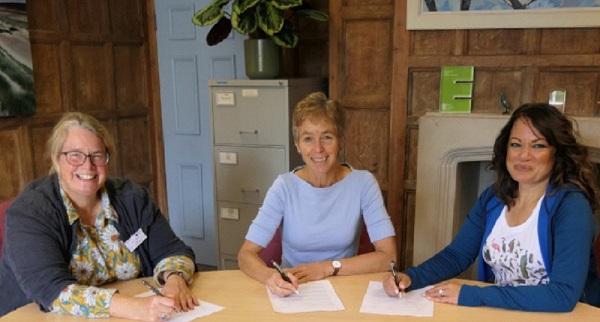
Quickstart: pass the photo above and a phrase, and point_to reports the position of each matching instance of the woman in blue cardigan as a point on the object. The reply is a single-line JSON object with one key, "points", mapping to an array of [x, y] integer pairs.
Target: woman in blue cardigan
{"points": [[532, 230]]}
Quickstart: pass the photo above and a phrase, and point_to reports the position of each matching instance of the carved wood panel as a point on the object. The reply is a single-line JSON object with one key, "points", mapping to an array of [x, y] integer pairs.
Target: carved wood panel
{"points": [[366, 142]]}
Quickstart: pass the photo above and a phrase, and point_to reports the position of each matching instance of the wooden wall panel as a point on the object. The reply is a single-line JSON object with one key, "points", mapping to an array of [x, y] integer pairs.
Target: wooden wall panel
{"points": [[133, 153], [576, 41], [408, 232], [12, 162], [39, 137], [131, 82], [424, 88], [126, 20], [495, 42], [433, 43], [48, 87], [87, 18], [367, 142], [489, 82], [581, 86], [410, 177], [91, 78], [366, 69]]}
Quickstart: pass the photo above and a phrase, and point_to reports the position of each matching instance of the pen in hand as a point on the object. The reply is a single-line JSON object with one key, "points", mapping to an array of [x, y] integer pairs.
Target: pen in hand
{"points": [[156, 291], [393, 267], [285, 277], [152, 288]]}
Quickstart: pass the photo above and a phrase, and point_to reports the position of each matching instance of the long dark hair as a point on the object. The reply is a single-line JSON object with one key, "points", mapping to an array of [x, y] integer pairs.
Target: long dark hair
{"points": [[572, 163]]}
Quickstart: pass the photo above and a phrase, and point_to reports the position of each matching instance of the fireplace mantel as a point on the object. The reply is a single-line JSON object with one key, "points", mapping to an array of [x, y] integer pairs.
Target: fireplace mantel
{"points": [[445, 140]]}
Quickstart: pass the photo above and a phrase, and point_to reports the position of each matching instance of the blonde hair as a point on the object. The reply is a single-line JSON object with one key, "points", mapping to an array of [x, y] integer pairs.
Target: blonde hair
{"points": [[314, 106], [76, 119]]}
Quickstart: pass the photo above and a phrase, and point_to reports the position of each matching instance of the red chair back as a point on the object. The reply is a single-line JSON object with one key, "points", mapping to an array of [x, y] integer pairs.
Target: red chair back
{"points": [[3, 207], [273, 250]]}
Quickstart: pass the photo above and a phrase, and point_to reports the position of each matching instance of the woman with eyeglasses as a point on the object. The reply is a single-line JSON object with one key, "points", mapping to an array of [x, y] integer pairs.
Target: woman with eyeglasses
{"points": [[78, 228]]}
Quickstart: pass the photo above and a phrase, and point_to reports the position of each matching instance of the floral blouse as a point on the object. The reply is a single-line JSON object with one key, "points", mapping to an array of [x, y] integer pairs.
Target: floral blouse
{"points": [[100, 257]]}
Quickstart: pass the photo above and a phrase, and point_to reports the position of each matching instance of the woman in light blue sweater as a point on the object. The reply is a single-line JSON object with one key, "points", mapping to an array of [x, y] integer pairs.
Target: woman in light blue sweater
{"points": [[320, 208], [532, 230]]}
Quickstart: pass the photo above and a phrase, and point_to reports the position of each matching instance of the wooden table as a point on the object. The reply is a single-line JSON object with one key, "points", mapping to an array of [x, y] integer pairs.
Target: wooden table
{"points": [[245, 299]]}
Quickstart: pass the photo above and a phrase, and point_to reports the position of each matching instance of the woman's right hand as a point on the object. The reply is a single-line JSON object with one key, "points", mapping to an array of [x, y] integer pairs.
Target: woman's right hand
{"points": [[281, 288], [389, 284], [142, 309]]}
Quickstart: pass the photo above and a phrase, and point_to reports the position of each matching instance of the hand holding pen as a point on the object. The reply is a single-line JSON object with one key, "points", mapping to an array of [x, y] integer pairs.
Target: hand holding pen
{"points": [[399, 290], [165, 314], [283, 275]]}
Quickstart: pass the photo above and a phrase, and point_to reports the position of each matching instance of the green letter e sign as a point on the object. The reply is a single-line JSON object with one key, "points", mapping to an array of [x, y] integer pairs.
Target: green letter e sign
{"points": [[456, 89]]}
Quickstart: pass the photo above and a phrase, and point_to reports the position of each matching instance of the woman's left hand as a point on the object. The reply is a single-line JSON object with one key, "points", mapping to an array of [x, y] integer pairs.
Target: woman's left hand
{"points": [[445, 292], [176, 288], [311, 272]]}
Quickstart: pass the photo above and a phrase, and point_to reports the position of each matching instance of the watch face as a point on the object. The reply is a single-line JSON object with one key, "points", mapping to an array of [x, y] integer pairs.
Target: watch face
{"points": [[336, 264]]}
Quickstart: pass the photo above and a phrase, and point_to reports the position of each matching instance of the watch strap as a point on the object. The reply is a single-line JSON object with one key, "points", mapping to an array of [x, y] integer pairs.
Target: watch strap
{"points": [[335, 271]]}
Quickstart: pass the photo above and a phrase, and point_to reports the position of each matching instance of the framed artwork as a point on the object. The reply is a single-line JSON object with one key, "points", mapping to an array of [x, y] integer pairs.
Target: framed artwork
{"points": [[16, 69], [501, 14]]}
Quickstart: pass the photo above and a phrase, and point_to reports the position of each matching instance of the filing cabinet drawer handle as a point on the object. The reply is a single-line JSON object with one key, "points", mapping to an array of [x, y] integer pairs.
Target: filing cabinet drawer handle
{"points": [[250, 190], [249, 132]]}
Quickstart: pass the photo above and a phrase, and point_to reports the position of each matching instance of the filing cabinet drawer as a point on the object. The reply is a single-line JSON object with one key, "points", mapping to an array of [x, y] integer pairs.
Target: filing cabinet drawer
{"points": [[245, 174], [234, 220], [249, 115]]}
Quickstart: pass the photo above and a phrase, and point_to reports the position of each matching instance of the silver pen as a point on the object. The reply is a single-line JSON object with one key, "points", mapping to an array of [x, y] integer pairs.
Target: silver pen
{"points": [[152, 288]]}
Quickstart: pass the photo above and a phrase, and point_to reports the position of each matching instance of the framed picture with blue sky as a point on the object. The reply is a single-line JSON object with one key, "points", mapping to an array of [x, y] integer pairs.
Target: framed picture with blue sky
{"points": [[501, 14]]}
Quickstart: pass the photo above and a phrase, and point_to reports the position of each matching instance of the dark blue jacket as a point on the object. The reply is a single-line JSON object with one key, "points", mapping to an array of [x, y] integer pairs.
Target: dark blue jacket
{"points": [[39, 240], [566, 230]]}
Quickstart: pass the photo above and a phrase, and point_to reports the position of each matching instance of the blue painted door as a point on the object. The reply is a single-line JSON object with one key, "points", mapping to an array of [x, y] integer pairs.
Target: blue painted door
{"points": [[186, 64]]}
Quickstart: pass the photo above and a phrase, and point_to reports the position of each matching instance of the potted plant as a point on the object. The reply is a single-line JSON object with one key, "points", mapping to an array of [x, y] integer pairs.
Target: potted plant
{"points": [[266, 22]]}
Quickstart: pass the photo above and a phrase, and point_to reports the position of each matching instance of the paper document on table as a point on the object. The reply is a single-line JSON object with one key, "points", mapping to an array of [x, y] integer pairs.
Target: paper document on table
{"points": [[314, 296], [413, 303], [205, 308]]}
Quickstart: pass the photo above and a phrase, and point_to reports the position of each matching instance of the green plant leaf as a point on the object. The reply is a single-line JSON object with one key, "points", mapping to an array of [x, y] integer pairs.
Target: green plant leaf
{"points": [[270, 18], [312, 14], [285, 4], [219, 31], [245, 23], [208, 15], [287, 37], [242, 5]]}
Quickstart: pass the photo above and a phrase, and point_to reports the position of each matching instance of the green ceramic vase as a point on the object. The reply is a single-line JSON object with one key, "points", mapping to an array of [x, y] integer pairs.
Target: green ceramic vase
{"points": [[262, 57]]}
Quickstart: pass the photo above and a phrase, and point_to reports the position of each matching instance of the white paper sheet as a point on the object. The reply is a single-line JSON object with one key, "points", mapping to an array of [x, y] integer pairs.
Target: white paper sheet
{"points": [[413, 303], [205, 308], [314, 297]]}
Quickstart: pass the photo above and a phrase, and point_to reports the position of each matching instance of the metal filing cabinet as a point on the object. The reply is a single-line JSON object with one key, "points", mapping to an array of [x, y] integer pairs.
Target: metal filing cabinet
{"points": [[252, 145]]}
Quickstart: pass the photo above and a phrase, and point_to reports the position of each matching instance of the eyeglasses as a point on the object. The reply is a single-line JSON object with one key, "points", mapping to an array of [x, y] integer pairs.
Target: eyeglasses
{"points": [[76, 158]]}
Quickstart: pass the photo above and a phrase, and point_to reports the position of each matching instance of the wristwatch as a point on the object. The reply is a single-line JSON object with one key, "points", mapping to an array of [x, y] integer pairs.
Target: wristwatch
{"points": [[336, 267]]}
